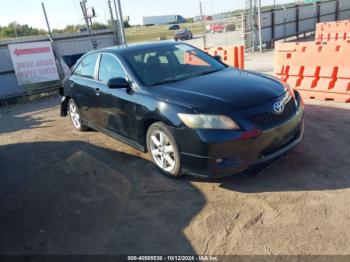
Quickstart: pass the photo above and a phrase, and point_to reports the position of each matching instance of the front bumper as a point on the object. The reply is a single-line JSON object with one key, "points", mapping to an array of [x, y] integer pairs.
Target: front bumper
{"points": [[212, 154]]}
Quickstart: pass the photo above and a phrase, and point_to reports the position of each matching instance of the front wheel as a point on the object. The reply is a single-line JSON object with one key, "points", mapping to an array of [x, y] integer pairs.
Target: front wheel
{"points": [[164, 150]]}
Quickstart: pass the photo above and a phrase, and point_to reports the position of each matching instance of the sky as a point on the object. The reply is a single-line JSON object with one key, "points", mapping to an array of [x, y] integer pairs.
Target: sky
{"points": [[63, 12]]}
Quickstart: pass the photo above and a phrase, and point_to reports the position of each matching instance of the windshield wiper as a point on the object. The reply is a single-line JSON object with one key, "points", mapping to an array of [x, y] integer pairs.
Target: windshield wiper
{"points": [[207, 72], [166, 81]]}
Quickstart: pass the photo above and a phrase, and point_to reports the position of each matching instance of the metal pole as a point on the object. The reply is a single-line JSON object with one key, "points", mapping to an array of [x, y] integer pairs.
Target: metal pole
{"points": [[15, 28], [243, 30], [118, 10], [113, 23], [285, 22], [315, 10], [90, 20], [58, 62], [260, 29], [203, 27], [47, 20], [83, 9]]}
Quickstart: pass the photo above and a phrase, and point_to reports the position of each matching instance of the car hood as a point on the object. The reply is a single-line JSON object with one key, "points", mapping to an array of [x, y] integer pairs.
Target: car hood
{"points": [[221, 92]]}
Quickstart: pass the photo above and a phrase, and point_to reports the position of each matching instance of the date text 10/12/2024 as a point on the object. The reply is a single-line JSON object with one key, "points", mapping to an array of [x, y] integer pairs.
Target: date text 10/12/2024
{"points": [[173, 258]]}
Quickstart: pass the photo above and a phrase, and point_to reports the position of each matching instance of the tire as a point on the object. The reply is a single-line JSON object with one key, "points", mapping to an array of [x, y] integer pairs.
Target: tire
{"points": [[164, 150], [74, 115]]}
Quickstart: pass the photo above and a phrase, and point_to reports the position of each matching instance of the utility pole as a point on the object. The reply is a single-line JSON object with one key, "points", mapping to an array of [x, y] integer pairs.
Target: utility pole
{"points": [[203, 26], [15, 29], [58, 62], [260, 29], [84, 10], [119, 16], [113, 23], [47, 20]]}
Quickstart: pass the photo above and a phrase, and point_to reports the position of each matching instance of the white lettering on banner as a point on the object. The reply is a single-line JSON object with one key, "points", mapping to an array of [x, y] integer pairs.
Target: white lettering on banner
{"points": [[33, 62]]}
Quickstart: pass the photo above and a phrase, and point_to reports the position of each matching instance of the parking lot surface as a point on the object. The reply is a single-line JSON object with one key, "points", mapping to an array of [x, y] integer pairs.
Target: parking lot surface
{"points": [[65, 192], [218, 39]]}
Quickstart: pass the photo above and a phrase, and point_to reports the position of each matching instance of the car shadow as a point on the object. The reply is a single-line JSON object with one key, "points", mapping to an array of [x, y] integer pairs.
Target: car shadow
{"points": [[16, 118], [77, 198], [320, 162]]}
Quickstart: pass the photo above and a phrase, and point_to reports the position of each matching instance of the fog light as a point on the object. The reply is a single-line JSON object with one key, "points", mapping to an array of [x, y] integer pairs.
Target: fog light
{"points": [[219, 161]]}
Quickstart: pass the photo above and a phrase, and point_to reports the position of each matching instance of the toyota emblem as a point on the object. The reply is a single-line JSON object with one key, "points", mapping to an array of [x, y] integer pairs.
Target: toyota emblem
{"points": [[278, 107]]}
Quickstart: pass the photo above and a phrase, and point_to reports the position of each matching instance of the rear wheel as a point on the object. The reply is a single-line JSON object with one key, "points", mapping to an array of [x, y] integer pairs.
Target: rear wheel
{"points": [[75, 116], [164, 150]]}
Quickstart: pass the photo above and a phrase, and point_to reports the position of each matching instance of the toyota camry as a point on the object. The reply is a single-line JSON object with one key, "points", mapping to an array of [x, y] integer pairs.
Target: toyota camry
{"points": [[192, 113]]}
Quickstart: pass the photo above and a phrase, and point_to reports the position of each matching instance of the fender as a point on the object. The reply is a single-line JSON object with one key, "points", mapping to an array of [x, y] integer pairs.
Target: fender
{"points": [[64, 106]]}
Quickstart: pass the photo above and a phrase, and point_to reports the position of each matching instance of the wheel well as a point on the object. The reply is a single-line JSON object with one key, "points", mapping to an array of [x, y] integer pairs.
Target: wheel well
{"points": [[64, 106], [146, 125]]}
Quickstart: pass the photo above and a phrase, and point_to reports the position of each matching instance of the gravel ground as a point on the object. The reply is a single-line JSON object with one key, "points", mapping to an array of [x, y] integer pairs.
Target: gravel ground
{"points": [[65, 192]]}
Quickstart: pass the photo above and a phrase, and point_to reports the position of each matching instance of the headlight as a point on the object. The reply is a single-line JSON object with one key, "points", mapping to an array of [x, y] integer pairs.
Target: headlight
{"points": [[289, 89], [208, 122], [291, 92]]}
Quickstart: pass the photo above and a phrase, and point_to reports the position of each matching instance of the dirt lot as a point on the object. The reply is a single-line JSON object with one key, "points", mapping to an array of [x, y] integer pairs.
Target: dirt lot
{"points": [[66, 192]]}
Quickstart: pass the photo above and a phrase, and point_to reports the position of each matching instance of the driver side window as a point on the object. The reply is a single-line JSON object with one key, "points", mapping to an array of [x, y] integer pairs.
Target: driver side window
{"points": [[110, 68]]}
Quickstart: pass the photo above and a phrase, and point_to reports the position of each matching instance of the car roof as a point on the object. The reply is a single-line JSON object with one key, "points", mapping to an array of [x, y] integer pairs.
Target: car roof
{"points": [[135, 47]]}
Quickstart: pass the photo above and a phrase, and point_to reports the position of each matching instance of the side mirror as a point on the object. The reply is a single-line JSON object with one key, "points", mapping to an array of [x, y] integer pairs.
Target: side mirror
{"points": [[118, 83], [217, 58]]}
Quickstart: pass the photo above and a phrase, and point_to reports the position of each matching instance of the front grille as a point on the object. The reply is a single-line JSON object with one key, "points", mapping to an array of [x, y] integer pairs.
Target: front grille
{"points": [[268, 120]]}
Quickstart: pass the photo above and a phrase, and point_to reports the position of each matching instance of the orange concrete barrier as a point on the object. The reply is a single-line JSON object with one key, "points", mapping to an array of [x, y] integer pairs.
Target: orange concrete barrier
{"points": [[193, 60], [333, 31], [231, 55], [317, 71]]}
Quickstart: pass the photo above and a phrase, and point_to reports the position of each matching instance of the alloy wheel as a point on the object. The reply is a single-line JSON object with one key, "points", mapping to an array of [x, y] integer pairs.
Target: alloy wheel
{"points": [[162, 151], [74, 115]]}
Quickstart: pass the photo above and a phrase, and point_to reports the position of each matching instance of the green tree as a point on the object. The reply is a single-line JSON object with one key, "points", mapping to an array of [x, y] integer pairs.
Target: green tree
{"points": [[17, 30], [99, 26]]}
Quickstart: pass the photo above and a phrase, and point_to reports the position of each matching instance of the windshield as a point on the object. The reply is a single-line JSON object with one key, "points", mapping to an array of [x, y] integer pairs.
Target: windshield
{"points": [[171, 64]]}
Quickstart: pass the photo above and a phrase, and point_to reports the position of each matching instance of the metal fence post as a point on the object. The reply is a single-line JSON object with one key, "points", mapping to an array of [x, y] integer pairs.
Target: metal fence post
{"points": [[260, 27]]}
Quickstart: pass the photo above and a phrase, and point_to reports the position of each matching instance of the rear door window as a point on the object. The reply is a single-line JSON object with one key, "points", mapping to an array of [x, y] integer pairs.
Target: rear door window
{"points": [[86, 67]]}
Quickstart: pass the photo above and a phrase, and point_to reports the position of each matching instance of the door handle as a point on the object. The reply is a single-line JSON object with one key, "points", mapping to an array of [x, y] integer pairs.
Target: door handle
{"points": [[71, 83], [98, 91]]}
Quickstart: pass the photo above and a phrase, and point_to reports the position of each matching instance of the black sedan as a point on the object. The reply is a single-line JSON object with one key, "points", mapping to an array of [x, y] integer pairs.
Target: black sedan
{"points": [[183, 34], [192, 113]]}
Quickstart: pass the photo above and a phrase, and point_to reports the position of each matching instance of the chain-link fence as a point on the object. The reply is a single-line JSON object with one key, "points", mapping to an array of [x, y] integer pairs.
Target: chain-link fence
{"points": [[289, 20]]}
